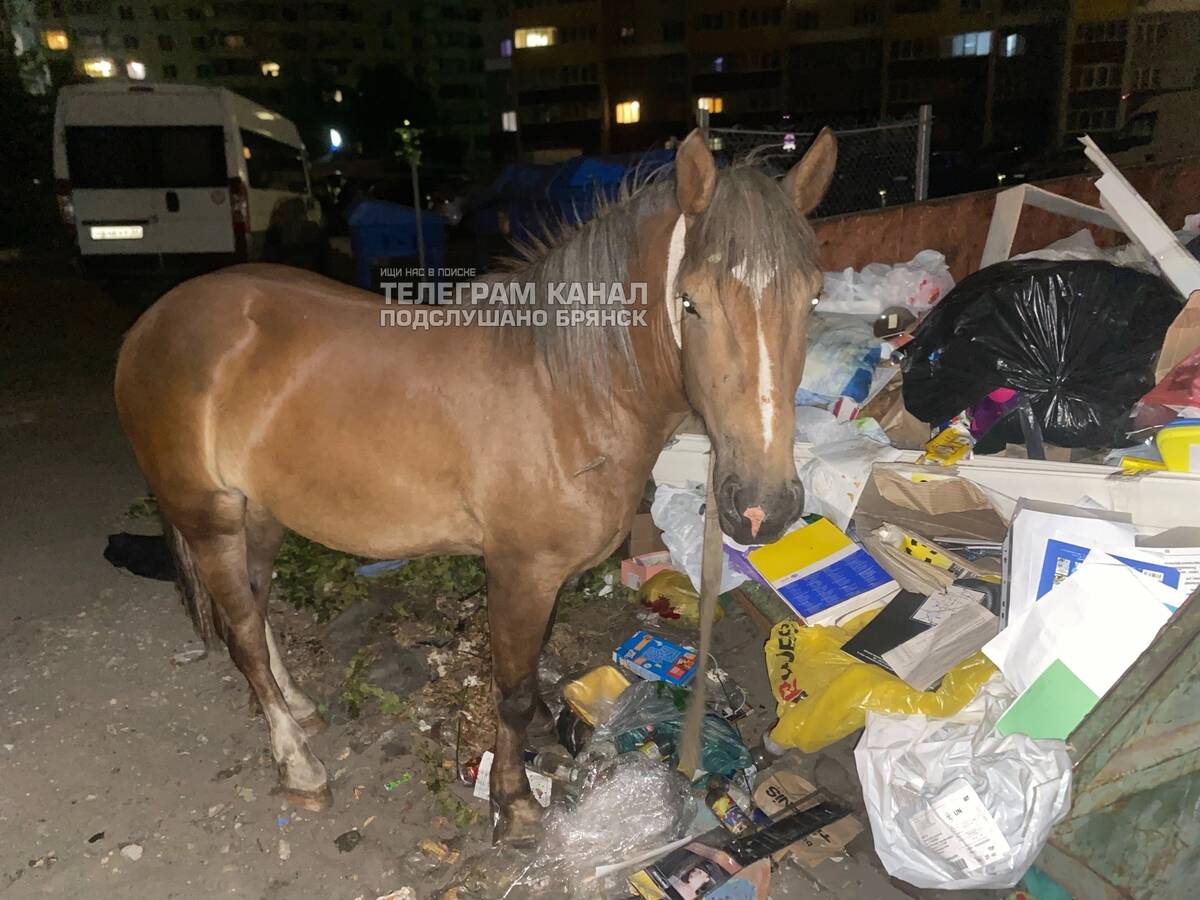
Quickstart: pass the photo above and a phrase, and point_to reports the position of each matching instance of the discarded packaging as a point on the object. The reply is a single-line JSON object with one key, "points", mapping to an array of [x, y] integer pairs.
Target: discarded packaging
{"points": [[783, 791], [916, 285], [712, 859], [676, 510], [656, 659], [541, 785], [637, 570], [671, 595], [823, 694], [637, 805], [953, 804], [592, 695]]}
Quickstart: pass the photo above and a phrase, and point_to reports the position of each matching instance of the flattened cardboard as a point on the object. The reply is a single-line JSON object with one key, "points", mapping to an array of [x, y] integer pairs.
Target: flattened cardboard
{"points": [[784, 791], [933, 504], [1182, 338]]}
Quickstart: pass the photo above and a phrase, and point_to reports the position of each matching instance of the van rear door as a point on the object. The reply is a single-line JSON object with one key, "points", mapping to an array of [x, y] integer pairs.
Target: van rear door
{"points": [[143, 183]]}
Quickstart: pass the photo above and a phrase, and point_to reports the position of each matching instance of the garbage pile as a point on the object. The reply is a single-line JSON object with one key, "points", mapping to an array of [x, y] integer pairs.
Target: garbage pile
{"points": [[962, 618], [955, 617]]}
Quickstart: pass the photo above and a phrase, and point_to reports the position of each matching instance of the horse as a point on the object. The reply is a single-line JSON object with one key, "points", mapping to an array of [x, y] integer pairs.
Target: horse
{"points": [[260, 397]]}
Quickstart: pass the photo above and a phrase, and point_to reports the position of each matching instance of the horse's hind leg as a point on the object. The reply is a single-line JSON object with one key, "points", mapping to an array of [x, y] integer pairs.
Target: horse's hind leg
{"points": [[218, 543], [521, 595], [264, 535]]}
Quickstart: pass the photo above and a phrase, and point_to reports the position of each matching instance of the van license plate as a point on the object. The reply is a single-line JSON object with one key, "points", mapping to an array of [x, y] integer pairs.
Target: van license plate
{"points": [[116, 232]]}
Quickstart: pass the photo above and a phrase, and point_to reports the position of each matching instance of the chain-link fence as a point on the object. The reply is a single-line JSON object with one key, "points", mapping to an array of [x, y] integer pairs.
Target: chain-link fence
{"points": [[883, 165]]}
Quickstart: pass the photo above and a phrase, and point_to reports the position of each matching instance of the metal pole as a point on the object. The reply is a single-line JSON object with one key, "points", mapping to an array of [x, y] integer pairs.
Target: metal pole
{"points": [[416, 183], [924, 135]]}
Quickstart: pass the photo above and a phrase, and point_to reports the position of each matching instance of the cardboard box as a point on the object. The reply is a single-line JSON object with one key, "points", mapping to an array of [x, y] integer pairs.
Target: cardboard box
{"points": [[637, 570], [656, 659], [644, 536]]}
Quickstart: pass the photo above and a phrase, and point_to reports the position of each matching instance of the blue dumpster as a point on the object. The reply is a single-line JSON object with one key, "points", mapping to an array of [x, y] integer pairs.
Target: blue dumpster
{"points": [[383, 233]]}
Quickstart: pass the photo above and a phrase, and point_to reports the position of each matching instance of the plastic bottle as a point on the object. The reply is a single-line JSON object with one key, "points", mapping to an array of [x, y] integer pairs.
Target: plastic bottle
{"points": [[731, 816]]}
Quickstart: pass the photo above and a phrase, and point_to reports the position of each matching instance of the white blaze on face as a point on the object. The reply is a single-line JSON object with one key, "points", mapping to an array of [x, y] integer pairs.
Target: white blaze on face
{"points": [[756, 282]]}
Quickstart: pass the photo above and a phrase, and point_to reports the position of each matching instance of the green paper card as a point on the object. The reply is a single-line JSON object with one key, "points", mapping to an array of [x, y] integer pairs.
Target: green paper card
{"points": [[1051, 707]]}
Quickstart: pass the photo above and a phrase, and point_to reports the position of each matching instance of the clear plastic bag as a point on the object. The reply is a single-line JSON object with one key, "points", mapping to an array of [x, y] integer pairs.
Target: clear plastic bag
{"points": [[676, 511], [952, 804], [823, 694]]}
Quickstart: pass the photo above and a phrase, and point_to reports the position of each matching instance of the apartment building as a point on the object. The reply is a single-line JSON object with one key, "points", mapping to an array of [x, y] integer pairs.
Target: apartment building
{"points": [[1121, 53], [584, 75], [264, 50]]}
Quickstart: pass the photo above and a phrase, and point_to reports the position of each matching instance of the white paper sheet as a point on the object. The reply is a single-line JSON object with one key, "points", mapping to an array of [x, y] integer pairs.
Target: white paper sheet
{"points": [[1097, 621]]}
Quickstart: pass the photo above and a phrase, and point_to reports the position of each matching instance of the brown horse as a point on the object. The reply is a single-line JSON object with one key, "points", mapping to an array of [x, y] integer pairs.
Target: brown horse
{"points": [[262, 397]]}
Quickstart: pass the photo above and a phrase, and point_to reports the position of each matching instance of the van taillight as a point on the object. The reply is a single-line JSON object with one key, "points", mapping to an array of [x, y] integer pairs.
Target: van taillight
{"points": [[239, 206], [66, 205]]}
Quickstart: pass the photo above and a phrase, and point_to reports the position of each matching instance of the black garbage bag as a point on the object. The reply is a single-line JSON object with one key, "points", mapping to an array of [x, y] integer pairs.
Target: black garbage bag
{"points": [[1079, 339]]}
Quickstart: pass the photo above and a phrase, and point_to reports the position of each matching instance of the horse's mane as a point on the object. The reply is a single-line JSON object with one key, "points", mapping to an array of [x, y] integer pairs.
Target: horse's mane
{"points": [[749, 223]]}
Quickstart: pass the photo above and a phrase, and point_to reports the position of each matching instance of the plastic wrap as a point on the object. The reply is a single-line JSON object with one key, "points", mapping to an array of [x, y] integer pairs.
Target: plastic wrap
{"points": [[676, 511], [823, 694], [636, 804], [842, 354], [1079, 339], [952, 804], [916, 285], [654, 710]]}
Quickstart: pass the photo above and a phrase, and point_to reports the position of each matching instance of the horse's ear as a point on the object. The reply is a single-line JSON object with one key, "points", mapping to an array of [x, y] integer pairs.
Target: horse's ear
{"points": [[695, 174], [809, 179]]}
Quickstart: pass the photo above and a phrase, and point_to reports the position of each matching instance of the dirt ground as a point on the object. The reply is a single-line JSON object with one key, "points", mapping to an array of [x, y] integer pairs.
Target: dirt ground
{"points": [[127, 774]]}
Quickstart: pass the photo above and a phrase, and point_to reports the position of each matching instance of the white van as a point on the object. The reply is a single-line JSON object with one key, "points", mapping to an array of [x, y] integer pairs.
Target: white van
{"points": [[154, 177]]}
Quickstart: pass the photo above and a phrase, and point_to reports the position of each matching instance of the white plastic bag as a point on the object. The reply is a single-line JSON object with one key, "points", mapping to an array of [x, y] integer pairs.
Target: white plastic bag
{"points": [[842, 456], [916, 285], [676, 511], [954, 805]]}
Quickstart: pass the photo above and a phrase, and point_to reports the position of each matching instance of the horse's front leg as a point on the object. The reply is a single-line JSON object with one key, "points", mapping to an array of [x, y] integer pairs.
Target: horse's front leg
{"points": [[521, 594]]}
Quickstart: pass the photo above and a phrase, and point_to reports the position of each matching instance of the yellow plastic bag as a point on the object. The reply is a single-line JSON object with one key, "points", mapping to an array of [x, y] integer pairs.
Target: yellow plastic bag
{"points": [[671, 595], [823, 694]]}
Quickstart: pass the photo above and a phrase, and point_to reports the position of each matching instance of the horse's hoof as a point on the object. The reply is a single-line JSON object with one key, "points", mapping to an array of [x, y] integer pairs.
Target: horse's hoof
{"points": [[313, 724], [518, 825], [313, 801]]}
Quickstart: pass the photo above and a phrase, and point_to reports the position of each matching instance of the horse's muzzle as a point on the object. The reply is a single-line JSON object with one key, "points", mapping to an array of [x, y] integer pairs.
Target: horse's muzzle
{"points": [[752, 513]]}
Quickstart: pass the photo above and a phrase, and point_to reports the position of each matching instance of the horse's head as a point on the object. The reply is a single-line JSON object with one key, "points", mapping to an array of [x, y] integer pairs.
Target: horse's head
{"points": [[745, 285]]}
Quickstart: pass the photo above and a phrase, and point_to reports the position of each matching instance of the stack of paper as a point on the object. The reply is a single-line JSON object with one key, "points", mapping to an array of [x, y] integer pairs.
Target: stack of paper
{"points": [[1076, 642], [1034, 525]]}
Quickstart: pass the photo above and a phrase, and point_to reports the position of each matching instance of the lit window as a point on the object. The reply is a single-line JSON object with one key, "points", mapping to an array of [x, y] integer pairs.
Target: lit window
{"points": [[135, 70], [506, 47], [1014, 45], [56, 40], [337, 95], [99, 67], [968, 43], [270, 69], [234, 41], [628, 112], [535, 37], [711, 104], [508, 120]]}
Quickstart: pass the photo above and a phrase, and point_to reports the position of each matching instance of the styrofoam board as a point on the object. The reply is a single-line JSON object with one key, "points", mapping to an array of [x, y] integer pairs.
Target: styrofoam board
{"points": [[1156, 500]]}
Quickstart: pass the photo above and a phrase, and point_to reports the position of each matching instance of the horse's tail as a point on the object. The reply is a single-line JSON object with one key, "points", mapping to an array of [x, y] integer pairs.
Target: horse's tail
{"points": [[196, 599]]}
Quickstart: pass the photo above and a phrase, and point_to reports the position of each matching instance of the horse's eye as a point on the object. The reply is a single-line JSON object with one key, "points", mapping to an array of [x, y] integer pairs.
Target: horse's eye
{"points": [[688, 306]]}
